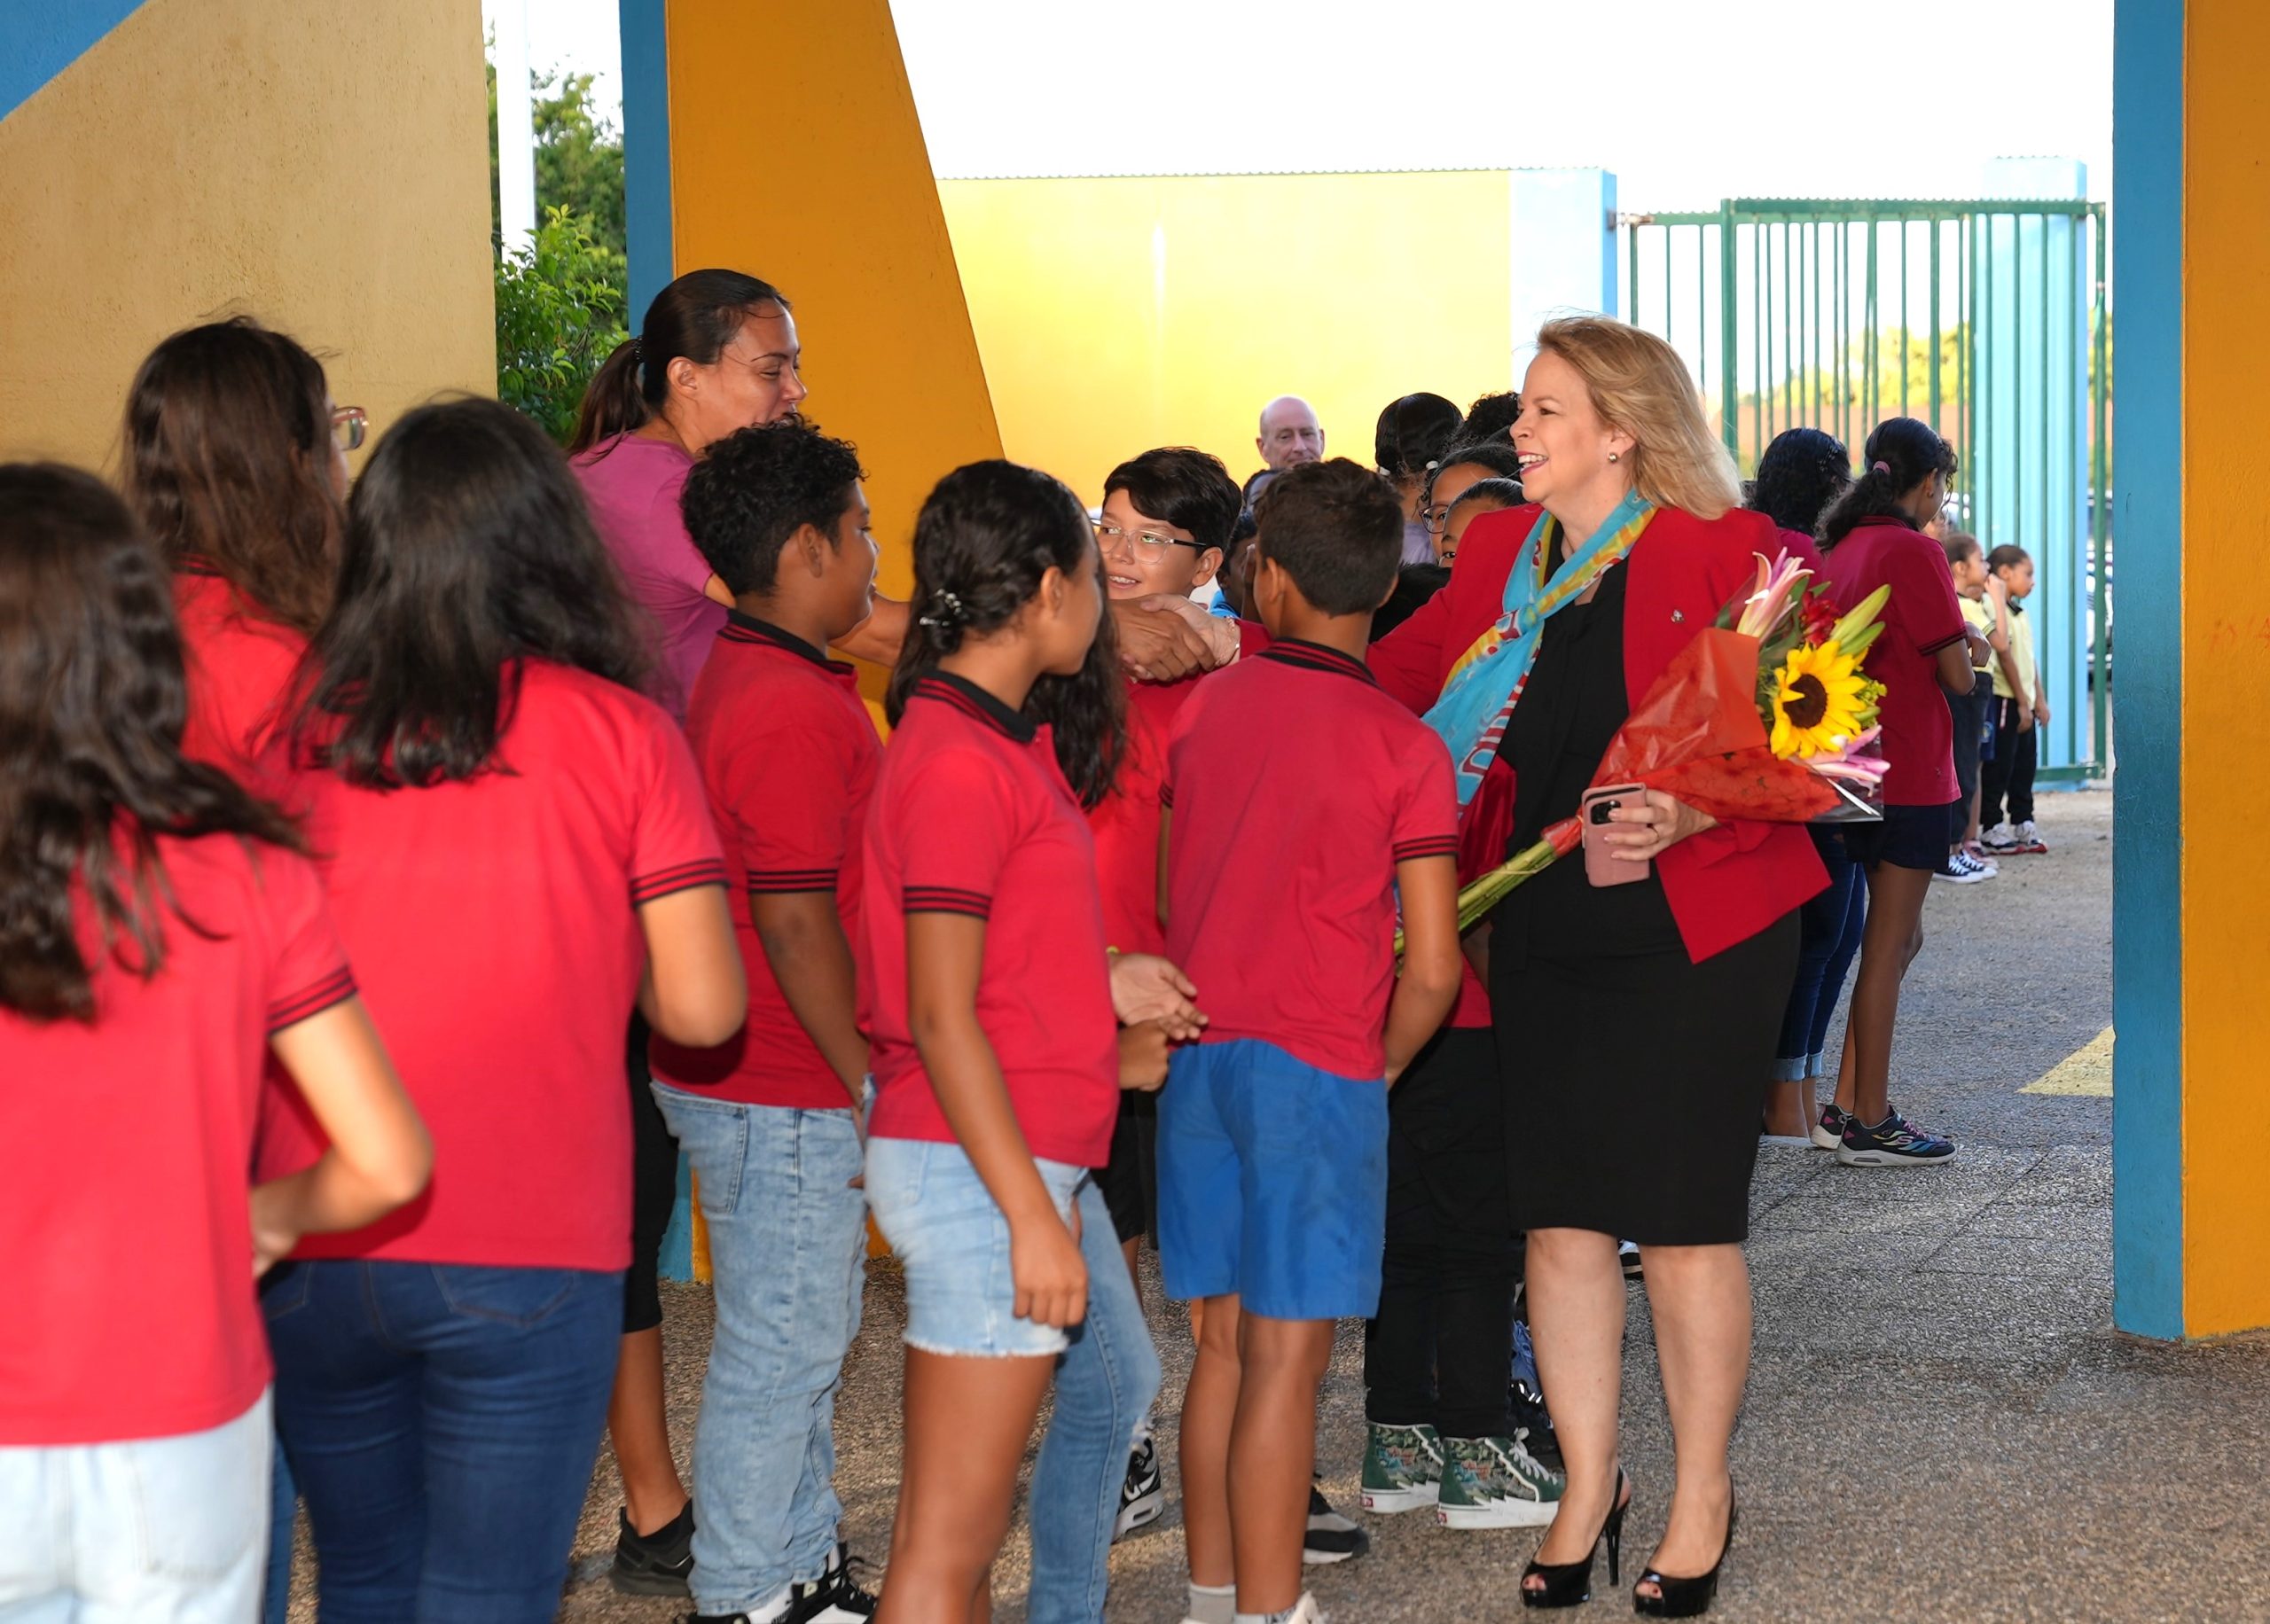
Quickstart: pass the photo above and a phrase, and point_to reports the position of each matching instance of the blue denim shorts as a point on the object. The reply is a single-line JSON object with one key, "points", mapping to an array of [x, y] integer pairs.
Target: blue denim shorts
{"points": [[951, 1240], [1272, 1183]]}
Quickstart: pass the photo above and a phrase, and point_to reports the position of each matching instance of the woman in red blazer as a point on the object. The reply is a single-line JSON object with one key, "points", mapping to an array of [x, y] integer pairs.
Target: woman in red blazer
{"points": [[1634, 1020]]}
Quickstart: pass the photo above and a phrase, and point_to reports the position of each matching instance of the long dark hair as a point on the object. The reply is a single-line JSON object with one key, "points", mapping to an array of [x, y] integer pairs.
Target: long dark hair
{"points": [[695, 317], [1901, 455], [468, 551], [985, 537], [1413, 434], [92, 703], [1801, 473], [228, 459]]}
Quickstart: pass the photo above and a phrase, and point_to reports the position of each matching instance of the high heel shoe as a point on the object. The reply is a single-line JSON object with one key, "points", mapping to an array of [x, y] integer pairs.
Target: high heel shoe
{"points": [[1686, 1598], [1569, 1584]]}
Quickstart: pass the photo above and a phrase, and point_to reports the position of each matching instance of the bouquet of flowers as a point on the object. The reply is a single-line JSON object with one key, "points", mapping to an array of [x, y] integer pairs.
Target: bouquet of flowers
{"points": [[1764, 715]]}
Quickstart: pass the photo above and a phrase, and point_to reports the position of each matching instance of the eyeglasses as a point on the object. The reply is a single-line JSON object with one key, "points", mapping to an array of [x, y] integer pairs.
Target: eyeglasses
{"points": [[1148, 546], [348, 424], [1436, 519]]}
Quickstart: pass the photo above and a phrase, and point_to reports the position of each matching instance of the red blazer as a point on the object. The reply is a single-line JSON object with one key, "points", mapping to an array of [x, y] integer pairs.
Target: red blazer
{"points": [[1726, 884]]}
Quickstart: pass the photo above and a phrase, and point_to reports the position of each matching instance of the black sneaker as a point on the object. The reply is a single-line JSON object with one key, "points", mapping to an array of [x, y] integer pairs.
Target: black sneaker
{"points": [[1892, 1142], [1331, 1537], [656, 1564], [835, 1598], [1828, 1133], [1142, 1498]]}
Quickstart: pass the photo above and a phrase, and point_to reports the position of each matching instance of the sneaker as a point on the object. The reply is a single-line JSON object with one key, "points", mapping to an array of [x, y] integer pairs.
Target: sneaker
{"points": [[2029, 839], [1142, 1497], [2001, 840], [1828, 1133], [1957, 869], [1495, 1483], [1331, 1537], [835, 1598], [1891, 1142], [1627, 1253], [656, 1564], [1402, 1468], [1977, 852]]}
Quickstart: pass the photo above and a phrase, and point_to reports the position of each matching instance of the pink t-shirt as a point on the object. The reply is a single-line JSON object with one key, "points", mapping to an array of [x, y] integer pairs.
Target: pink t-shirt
{"points": [[632, 483]]}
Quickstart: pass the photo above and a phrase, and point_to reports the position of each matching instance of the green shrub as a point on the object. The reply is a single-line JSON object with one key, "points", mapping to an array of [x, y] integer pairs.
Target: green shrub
{"points": [[559, 310]]}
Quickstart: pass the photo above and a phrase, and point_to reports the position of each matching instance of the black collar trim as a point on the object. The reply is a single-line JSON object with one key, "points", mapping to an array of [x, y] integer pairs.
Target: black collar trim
{"points": [[740, 627], [971, 701], [1316, 657]]}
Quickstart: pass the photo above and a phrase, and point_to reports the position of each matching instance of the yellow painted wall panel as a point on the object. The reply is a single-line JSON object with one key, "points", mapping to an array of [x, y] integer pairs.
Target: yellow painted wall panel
{"points": [[2226, 660], [796, 156], [322, 168], [1121, 312]]}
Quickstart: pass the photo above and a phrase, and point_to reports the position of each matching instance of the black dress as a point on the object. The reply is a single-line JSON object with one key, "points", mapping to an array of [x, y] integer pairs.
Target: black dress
{"points": [[1635, 1078]]}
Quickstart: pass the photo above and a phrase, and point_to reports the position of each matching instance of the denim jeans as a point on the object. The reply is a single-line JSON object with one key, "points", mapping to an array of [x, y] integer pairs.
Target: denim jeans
{"points": [[1830, 929], [442, 1422], [788, 1238], [1104, 1381], [172, 1528], [283, 1513]]}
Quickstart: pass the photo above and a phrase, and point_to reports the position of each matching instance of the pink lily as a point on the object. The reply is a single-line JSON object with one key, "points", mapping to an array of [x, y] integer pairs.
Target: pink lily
{"points": [[1849, 763], [1778, 585]]}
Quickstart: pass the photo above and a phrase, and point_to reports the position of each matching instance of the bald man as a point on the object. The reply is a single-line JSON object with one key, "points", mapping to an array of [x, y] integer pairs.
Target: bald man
{"points": [[1289, 433]]}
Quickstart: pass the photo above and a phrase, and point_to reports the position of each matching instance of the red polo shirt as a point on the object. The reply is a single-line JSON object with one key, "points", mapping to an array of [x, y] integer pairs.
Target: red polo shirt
{"points": [[1127, 821], [787, 754], [239, 664], [125, 1239], [972, 816], [1298, 785], [1922, 617], [493, 926]]}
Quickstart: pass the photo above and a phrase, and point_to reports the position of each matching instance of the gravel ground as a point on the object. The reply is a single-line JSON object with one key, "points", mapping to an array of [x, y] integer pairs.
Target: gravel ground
{"points": [[1941, 1423]]}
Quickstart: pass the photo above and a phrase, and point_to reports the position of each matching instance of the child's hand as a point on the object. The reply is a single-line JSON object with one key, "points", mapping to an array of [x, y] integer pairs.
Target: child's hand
{"points": [[1050, 1276], [2041, 712], [1998, 591], [1145, 986], [275, 1223], [2025, 722], [1143, 1051]]}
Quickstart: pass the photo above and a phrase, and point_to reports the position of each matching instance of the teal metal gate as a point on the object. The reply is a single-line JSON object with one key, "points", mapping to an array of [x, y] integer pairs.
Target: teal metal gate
{"points": [[1987, 319]]}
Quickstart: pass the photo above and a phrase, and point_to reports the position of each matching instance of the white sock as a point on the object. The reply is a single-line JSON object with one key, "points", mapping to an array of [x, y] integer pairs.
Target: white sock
{"points": [[1211, 1604]]}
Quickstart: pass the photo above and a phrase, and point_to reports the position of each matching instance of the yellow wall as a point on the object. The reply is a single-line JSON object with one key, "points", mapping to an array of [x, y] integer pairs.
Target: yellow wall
{"points": [[2227, 662], [1120, 314], [795, 155], [321, 167]]}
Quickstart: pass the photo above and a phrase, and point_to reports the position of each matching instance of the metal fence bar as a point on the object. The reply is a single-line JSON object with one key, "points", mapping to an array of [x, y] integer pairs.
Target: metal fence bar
{"points": [[2100, 515], [1934, 228]]}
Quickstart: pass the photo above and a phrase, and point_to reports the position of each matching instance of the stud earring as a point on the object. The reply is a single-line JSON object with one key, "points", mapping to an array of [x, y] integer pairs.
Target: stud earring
{"points": [[1612, 456]]}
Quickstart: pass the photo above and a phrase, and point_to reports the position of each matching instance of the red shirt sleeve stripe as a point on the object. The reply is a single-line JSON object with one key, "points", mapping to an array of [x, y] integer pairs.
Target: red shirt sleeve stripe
{"points": [[948, 899], [1428, 846], [683, 877], [335, 988]]}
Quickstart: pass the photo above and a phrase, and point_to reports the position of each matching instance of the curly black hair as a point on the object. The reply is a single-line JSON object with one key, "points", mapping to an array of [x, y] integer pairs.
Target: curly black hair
{"points": [[1801, 473], [757, 487]]}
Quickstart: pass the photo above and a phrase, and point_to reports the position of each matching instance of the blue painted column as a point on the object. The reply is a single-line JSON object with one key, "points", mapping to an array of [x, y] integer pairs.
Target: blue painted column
{"points": [[1563, 225]]}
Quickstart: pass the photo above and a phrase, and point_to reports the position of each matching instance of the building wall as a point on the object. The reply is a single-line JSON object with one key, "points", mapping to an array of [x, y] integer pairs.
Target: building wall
{"points": [[1116, 314], [322, 168]]}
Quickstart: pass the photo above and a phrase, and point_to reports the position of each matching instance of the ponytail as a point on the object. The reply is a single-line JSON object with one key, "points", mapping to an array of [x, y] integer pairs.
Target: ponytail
{"points": [[1901, 455], [695, 317], [984, 539]]}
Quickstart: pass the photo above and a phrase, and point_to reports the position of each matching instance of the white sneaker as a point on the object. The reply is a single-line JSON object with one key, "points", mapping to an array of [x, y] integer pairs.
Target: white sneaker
{"points": [[2001, 840]]}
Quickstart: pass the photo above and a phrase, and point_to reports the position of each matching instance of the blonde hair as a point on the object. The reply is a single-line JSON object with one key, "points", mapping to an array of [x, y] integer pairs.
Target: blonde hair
{"points": [[1640, 385]]}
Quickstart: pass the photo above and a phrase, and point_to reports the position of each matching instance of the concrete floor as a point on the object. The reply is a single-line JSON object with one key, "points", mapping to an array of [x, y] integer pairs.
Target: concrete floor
{"points": [[1941, 1423]]}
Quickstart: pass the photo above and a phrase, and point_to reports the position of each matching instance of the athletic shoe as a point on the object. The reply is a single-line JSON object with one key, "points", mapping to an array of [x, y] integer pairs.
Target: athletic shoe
{"points": [[1891, 1142], [1828, 1133], [835, 1598], [2001, 840], [2029, 839], [1957, 869], [1495, 1483], [1331, 1537], [1977, 852], [1627, 1253], [1142, 1497], [656, 1564], [1402, 1468]]}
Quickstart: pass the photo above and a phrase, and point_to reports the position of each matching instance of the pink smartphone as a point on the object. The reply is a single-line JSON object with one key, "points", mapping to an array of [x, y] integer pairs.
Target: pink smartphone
{"points": [[1602, 867]]}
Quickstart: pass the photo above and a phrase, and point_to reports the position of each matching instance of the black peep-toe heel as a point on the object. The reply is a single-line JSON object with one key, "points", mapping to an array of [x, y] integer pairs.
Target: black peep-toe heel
{"points": [[1685, 1598], [1570, 1584]]}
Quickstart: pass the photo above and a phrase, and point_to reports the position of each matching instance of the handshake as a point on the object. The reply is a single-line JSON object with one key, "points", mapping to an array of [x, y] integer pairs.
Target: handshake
{"points": [[1155, 1003]]}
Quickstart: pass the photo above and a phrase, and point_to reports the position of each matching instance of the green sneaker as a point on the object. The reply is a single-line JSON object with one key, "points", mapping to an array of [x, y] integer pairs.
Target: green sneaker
{"points": [[1402, 1468], [1495, 1483]]}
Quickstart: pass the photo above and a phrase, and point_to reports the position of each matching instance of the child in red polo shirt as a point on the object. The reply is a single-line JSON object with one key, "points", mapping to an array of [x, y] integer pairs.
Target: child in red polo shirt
{"points": [[1286, 855], [516, 846], [985, 991], [161, 937], [770, 1119]]}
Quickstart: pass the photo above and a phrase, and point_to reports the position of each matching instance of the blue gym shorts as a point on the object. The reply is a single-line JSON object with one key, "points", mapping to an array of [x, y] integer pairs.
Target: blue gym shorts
{"points": [[1272, 1183]]}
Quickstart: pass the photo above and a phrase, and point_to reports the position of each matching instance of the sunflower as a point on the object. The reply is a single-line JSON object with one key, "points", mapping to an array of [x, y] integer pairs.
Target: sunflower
{"points": [[1820, 701]]}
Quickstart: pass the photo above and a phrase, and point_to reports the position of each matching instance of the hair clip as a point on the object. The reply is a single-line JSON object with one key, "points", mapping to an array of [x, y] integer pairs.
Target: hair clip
{"points": [[1879, 467], [945, 612]]}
